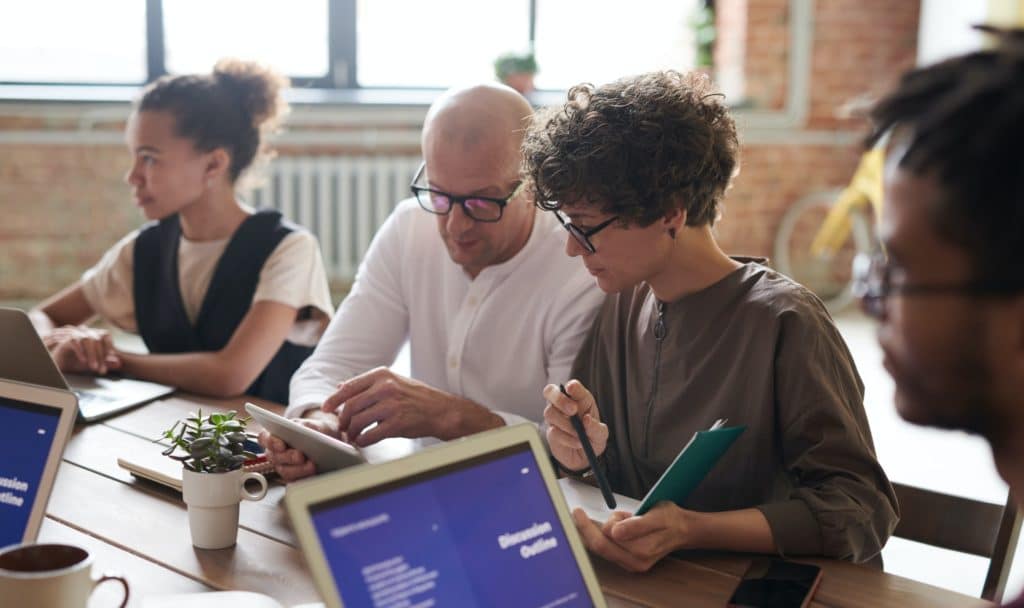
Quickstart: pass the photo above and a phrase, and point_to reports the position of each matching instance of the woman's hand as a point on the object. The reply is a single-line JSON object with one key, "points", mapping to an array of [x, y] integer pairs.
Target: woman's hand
{"points": [[82, 349], [562, 439], [290, 463], [637, 542]]}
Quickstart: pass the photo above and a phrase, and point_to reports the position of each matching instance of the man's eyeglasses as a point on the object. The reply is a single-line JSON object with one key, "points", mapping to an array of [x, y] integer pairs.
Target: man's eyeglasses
{"points": [[582, 235], [479, 208], [872, 283]]}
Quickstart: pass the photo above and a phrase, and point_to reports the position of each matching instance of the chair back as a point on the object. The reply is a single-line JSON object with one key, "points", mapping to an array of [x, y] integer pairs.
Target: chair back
{"points": [[961, 524]]}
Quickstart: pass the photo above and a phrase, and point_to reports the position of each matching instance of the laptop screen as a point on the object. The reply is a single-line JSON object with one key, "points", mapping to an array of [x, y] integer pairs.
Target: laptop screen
{"points": [[481, 532], [26, 436]]}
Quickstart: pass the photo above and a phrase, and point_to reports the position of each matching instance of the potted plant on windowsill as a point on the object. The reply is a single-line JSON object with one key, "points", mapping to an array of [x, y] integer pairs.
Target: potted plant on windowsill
{"points": [[213, 482], [517, 71]]}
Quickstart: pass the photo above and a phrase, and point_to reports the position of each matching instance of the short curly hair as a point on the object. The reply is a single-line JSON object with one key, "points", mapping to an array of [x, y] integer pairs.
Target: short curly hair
{"points": [[639, 148]]}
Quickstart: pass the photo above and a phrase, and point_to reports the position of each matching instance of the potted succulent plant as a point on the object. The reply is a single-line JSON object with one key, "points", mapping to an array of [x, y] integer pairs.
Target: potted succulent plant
{"points": [[213, 482], [516, 70]]}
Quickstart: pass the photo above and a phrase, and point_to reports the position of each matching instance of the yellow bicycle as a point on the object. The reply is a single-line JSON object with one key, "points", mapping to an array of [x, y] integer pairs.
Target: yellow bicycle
{"points": [[822, 232]]}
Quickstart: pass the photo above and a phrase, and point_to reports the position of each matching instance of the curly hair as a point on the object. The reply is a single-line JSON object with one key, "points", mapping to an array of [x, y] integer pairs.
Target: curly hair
{"points": [[234, 108], [961, 120], [638, 148]]}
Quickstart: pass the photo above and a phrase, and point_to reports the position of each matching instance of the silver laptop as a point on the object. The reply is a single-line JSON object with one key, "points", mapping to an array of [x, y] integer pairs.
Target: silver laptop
{"points": [[25, 359], [37, 422], [474, 522]]}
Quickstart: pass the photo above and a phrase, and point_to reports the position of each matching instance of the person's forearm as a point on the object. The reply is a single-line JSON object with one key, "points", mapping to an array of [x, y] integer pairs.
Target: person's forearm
{"points": [[199, 372], [745, 530], [466, 418]]}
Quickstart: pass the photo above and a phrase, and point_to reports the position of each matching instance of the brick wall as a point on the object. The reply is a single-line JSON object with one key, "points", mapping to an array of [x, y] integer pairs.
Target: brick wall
{"points": [[63, 204], [766, 53], [859, 48]]}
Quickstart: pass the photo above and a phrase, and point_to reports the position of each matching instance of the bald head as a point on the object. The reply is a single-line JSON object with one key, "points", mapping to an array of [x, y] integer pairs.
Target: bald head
{"points": [[485, 121]]}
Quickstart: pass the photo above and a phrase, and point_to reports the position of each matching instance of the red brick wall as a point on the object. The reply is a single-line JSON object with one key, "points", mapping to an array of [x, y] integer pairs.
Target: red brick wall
{"points": [[859, 47], [767, 53], [62, 207]]}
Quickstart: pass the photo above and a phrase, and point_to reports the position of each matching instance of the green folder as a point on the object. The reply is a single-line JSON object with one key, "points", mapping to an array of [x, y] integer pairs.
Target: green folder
{"points": [[691, 466]]}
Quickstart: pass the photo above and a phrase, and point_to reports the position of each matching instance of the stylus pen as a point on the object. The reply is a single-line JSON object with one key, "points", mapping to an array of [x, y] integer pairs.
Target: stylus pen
{"points": [[602, 481]]}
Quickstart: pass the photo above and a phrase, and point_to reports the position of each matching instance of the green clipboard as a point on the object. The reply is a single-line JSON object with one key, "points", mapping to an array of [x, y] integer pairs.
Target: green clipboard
{"points": [[691, 466]]}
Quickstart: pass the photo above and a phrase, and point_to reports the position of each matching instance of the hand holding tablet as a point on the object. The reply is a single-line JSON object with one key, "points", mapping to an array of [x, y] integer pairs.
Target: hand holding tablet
{"points": [[326, 452]]}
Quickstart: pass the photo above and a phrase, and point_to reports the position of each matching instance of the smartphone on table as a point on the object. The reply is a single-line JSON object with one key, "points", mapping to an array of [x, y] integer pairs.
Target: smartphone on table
{"points": [[776, 583]]}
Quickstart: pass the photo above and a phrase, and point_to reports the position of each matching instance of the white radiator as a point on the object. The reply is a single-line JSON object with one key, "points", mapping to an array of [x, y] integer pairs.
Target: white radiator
{"points": [[341, 199]]}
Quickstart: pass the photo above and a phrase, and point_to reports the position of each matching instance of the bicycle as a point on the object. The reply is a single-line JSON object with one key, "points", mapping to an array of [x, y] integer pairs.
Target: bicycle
{"points": [[840, 224]]}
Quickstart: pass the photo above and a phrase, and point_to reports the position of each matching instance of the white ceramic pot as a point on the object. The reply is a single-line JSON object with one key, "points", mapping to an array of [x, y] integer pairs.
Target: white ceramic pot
{"points": [[212, 500]]}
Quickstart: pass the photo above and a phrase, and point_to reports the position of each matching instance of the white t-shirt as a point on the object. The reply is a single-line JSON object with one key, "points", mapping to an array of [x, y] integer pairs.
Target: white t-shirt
{"points": [[496, 339], [293, 274]]}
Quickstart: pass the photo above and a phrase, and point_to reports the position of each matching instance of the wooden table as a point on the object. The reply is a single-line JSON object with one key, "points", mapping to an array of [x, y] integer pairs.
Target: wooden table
{"points": [[141, 530]]}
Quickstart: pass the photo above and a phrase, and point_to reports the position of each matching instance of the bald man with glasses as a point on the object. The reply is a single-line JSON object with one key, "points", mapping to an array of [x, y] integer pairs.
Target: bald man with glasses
{"points": [[471, 274]]}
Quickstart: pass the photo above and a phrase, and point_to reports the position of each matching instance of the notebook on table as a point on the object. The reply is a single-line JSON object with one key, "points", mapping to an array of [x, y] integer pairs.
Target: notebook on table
{"points": [[36, 423], [687, 470], [473, 522], [29, 362]]}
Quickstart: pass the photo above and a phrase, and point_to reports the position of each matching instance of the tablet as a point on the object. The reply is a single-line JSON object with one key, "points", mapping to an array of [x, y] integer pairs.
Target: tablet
{"points": [[326, 452], [35, 423]]}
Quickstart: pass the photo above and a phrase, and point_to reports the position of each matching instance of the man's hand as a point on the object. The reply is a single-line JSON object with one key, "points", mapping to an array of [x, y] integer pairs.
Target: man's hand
{"points": [[562, 439], [402, 407], [634, 542], [290, 463], [81, 349]]}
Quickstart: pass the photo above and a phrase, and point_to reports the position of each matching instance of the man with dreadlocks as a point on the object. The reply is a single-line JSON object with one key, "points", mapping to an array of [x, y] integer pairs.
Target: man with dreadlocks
{"points": [[949, 293]]}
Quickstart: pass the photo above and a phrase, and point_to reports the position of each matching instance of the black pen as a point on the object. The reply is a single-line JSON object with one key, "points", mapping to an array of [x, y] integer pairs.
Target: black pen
{"points": [[602, 482]]}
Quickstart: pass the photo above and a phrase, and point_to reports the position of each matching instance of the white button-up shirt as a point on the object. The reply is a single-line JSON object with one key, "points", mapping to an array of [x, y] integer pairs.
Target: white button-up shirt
{"points": [[496, 339]]}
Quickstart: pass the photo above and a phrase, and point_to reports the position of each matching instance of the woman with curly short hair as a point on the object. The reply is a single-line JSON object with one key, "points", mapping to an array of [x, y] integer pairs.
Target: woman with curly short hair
{"points": [[636, 171]]}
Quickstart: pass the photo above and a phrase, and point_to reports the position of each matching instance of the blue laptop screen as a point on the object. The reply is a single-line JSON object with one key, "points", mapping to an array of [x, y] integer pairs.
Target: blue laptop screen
{"points": [[26, 435], [482, 532]]}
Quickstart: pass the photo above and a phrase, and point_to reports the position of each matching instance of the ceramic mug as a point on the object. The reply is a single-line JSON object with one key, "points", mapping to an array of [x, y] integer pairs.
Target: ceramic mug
{"points": [[50, 575], [212, 500]]}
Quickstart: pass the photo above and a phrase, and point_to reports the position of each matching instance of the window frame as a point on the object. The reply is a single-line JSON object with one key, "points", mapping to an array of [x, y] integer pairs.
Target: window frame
{"points": [[342, 60]]}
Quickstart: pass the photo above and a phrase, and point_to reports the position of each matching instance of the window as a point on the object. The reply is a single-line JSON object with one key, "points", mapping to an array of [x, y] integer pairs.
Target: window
{"points": [[598, 41], [412, 43], [345, 43], [63, 41], [291, 37]]}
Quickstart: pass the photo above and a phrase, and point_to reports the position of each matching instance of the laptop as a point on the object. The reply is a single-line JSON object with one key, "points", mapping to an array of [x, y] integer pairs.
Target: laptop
{"points": [[28, 361], [474, 522], [37, 422]]}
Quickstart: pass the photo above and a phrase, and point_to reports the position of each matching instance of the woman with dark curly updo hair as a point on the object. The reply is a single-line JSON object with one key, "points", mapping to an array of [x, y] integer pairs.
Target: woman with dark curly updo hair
{"points": [[636, 171], [228, 300]]}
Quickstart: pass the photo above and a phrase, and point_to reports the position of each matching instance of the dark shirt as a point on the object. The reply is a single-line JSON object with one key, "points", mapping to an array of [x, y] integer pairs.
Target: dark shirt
{"points": [[760, 350]]}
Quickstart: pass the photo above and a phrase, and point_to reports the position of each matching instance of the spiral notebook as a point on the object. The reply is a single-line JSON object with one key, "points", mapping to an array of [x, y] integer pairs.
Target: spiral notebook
{"points": [[687, 470]]}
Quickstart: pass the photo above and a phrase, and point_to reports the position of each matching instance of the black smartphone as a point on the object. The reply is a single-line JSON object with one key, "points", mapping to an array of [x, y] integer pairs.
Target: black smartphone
{"points": [[776, 583]]}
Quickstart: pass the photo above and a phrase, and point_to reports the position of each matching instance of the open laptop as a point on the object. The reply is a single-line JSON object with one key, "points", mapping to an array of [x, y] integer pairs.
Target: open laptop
{"points": [[25, 359], [474, 522], [36, 424]]}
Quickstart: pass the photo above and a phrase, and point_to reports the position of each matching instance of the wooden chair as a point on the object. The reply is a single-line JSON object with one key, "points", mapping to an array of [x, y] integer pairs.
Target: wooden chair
{"points": [[961, 524]]}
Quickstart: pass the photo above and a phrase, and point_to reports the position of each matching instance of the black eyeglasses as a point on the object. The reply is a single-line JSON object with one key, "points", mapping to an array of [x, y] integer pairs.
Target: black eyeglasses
{"points": [[582, 235], [872, 283], [480, 208]]}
